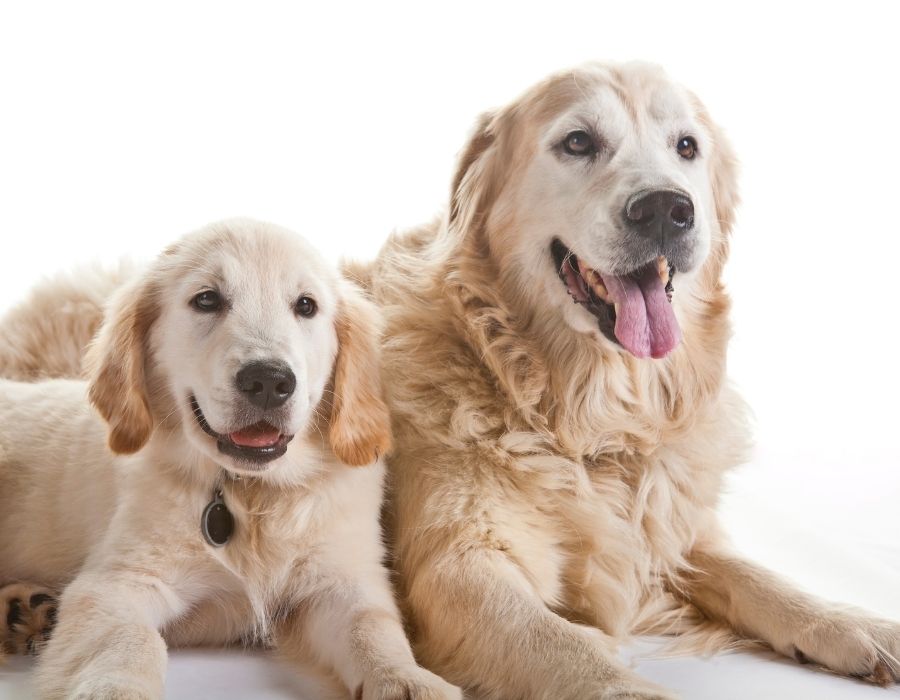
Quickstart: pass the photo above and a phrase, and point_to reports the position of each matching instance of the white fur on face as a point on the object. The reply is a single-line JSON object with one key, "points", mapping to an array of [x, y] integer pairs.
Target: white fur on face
{"points": [[259, 273], [581, 200]]}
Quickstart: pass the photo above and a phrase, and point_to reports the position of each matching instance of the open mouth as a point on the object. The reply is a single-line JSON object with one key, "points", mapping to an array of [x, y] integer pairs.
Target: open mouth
{"points": [[633, 310], [257, 444]]}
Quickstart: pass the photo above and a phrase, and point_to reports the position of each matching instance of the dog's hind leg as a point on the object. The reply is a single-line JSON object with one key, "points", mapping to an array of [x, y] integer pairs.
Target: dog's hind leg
{"points": [[27, 615]]}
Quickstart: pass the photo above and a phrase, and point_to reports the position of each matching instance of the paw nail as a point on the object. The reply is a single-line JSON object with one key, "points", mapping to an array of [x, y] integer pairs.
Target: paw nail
{"points": [[39, 598], [14, 614]]}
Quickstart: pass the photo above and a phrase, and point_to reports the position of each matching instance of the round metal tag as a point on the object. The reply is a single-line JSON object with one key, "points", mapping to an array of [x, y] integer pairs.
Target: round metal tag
{"points": [[217, 523]]}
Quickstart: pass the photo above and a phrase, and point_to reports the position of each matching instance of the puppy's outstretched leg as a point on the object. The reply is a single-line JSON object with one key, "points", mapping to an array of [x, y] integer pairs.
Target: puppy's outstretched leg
{"points": [[27, 615], [106, 642], [759, 604]]}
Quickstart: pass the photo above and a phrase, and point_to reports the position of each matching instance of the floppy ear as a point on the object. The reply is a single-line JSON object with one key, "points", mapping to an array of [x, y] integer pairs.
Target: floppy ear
{"points": [[360, 429], [723, 167], [473, 189], [723, 180], [116, 367], [723, 174]]}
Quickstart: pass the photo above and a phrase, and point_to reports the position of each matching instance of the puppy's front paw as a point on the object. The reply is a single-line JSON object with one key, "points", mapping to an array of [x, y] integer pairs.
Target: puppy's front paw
{"points": [[853, 645], [28, 615], [414, 683]]}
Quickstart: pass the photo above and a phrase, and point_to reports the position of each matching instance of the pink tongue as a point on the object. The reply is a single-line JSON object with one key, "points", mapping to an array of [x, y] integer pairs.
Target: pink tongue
{"points": [[259, 435], [645, 322]]}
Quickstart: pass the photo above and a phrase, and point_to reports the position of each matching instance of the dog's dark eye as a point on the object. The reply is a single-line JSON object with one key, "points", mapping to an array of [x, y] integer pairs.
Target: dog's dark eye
{"points": [[579, 143], [306, 307], [207, 302], [687, 147]]}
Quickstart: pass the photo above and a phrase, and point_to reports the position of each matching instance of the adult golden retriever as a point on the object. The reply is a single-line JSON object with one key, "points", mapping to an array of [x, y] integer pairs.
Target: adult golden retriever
{"points": [[559, 463], [238, 373], [556, 465]]}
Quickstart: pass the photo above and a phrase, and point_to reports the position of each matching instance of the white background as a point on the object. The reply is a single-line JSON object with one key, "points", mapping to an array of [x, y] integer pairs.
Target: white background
{"points": [[122, 127]]}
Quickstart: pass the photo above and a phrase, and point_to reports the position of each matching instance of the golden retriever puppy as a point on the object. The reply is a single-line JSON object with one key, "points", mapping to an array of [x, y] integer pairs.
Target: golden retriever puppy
{"points": [[237, 380], [555, 368]]}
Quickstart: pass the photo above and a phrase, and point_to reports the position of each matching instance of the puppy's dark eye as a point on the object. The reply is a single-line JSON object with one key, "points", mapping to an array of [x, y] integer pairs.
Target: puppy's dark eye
{"points": [[579, 143], [687, 147], [306, 307], [207, 302]]}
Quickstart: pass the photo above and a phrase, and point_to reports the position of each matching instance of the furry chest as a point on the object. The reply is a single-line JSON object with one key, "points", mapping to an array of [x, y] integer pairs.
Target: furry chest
{"points": [[628, 532]]}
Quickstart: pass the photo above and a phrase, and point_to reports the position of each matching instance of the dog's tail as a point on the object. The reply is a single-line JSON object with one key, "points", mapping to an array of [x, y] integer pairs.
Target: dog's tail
{"points": [[46, 334]]}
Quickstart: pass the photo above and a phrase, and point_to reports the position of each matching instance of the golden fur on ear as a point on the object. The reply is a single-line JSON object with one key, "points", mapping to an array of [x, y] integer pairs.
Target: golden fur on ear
{"points": [[478, 179], [724, 182], [723, 166], [116, 368], [480, 140], [360, 426]]}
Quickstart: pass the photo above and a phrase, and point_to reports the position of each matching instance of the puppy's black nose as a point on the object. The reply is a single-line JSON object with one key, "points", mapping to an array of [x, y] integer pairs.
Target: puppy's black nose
{"points": [[266, 384], [659, 212]]}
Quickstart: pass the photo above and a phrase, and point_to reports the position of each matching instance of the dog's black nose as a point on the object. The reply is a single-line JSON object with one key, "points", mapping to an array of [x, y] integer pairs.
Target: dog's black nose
{"points": [[266, 384], [659, 212]]}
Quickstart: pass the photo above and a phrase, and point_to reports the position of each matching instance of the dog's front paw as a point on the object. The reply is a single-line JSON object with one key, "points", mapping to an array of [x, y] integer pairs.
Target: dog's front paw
{"points": [[608, 685], [853, 645], [636, 694], [633, 689], [612, 684], [28, 615], [110, 689], [414, 683]]}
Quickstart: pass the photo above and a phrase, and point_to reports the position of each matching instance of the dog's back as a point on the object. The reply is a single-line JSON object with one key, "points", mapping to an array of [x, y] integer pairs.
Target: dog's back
{"points": [[56, 487], [45, 335]]}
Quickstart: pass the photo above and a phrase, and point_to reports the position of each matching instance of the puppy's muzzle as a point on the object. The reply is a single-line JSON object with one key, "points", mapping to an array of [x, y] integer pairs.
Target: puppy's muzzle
{"points": [[664, 215], [266, 384]]}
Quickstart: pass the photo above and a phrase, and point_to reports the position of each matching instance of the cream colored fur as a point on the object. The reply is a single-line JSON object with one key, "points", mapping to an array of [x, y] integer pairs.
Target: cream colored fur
{"points": [[46, 335], [121, 532], [551, 493]]}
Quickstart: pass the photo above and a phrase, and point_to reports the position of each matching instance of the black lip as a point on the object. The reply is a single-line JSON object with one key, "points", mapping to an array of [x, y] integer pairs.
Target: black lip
{"points": [[605, 313], [252, 455]]}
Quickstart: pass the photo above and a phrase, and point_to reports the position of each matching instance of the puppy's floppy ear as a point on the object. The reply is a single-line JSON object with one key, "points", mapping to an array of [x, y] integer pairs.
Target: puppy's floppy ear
{"points": [[116, 366], [360, 426]]}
